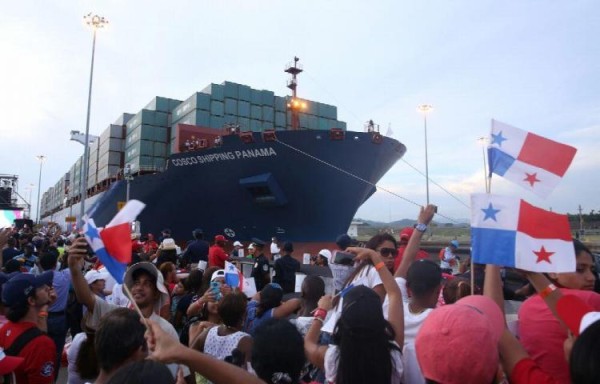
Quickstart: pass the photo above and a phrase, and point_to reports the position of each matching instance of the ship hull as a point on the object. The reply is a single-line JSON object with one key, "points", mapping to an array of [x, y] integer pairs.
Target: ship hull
{"points": [[303, 187]]}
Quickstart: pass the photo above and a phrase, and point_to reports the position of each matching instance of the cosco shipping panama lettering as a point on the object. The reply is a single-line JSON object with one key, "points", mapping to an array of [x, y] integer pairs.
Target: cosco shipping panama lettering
{"points": [[233, 160]]}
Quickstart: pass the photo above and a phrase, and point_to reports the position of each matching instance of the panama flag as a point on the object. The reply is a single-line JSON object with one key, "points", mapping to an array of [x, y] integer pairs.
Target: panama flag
{"points": [[534, 162], [113, 243], [233, 277], [510, 232]]}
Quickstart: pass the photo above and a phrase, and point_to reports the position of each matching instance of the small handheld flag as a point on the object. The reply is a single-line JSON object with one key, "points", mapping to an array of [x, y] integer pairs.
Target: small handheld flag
{"points": [[510, 232], [112, 244], [531, 161], [233, 277]]}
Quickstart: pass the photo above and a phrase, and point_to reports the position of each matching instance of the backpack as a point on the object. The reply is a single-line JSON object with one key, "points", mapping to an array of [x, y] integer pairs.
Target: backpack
{"points": [[17, 346]]}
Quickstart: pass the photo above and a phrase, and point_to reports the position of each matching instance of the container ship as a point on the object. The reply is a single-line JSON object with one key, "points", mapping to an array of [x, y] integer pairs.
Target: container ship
{"points": [[231, 160]]}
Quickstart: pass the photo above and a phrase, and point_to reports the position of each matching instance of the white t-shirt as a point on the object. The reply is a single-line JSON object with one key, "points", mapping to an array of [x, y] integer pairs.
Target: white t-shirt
{"points": [[274, 249], [331, 358], [101, 308], [72, 352], [448, 256], [368, 276]]}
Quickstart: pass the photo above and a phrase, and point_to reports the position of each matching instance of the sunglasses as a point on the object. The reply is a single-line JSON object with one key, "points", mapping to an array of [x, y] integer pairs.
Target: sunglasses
{"points": [[386, 252]]}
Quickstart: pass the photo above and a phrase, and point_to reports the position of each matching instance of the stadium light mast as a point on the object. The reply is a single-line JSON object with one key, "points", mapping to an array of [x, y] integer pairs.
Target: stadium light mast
{"points": [[425, 109]]}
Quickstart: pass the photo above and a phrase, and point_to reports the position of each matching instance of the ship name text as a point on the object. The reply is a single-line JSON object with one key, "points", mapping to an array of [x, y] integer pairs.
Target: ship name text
{"points": [[224, 156]]}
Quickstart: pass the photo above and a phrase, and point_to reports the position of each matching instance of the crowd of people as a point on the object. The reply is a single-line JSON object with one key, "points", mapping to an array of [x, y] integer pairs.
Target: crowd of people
{"points": [[390, 314]]}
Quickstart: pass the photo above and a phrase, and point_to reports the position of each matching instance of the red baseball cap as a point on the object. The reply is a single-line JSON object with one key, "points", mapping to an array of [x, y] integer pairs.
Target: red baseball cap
{"points": [[220, 238], [576, 314], [469, 331], [406, 233]]}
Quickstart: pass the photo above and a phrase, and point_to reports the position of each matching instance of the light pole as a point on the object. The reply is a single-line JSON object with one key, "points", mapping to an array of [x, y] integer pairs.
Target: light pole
{"points": [[96, 22], [483, 141], [30, 189], [128, 177], [425, 109], [41, 159]]}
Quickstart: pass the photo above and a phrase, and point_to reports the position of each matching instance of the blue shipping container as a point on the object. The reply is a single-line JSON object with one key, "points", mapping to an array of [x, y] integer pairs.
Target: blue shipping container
{"points": [[231, 106], [244, 92], [230, 90], [267, 113], [256, 112], [217, 108], [243, 109]]}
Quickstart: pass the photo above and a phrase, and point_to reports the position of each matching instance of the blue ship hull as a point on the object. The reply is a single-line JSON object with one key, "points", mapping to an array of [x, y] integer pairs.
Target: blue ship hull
{"points": [[303, 187]]}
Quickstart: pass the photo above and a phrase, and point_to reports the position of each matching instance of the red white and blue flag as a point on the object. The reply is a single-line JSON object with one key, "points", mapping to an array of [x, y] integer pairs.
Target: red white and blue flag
{"points": [[510, 232], [531, 161], [113, 243]]}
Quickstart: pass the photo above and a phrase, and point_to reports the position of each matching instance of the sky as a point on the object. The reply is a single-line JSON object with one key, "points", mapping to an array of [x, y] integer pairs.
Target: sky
{"points": [[531, 64]]}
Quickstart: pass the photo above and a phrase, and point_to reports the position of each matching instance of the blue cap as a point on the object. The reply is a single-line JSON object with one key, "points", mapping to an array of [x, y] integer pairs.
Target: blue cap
{"points": [[16, 290], [454, 243]]}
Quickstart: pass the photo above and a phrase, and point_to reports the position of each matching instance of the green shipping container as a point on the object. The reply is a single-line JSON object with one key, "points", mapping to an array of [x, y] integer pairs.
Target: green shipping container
{"points": [[244, 123], [256, 112], [160, 149], [216, 122], [313, 122], [216, 91], [244, 92], [142, 163], [141, 132], [255, 96], [231, 106], [160, 134], [243, 109], [196, 117], [280, 104], [198, 100], [267, 113], [160, 163], [280, 119], [267, 98], [255, 125], [216, 108], [230, 90], [230, 119], [139, 148]]}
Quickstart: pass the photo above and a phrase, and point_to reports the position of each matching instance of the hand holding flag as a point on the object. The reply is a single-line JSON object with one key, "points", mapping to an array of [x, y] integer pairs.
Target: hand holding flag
{"points": [[510, 232], [531, 161], [112, 244]]}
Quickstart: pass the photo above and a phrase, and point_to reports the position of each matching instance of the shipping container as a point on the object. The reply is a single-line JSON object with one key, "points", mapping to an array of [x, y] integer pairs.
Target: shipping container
{"points": [[244, 123], [313, 122], [110, 158], [124, 118], [139, 148], [255, 96], [108, 172], [160, 149], [216, 122], [160, 163], [216, 108], [280, 119], [243, 109], [267, 113], [112, 144], [145, 116], [256, 112], [163, 104], [255, 125], [198, 100], [230, 119], [195, 117], [280, 104], [216, 91], [244, 92], [142, 163], [112, 131], [230, 90], [267, 98], [231, 106], [161, 134]]}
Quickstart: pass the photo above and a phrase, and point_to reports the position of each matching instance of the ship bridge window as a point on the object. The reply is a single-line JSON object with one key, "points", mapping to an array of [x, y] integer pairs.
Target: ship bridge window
{"points": [[264, 190]]}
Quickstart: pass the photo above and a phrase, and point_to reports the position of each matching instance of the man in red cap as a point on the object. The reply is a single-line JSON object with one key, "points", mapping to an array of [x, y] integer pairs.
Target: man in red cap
{"points": [[405, 235], [216, 254]]}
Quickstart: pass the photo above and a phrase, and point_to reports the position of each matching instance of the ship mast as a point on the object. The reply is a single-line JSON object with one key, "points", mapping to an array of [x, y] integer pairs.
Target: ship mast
{"points": [[294, 105]]}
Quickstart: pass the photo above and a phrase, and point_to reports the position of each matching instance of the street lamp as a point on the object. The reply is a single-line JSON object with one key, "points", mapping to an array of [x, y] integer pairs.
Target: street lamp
{"points": [[41, 159], [483, 141], [96, 22], [425, 109], [30, 189], [128, 177]]}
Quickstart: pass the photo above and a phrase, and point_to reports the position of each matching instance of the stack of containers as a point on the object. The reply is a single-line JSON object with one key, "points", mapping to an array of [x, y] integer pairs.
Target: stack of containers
{"points": [[44, 204], [93, 164], [110, 153], [76, 172], [146, 141], [193, 111]]}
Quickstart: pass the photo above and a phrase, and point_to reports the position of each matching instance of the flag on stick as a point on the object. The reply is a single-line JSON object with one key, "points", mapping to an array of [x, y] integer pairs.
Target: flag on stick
{"points": [[233, 277], [113, 243], [531, 161], [510, 232]]}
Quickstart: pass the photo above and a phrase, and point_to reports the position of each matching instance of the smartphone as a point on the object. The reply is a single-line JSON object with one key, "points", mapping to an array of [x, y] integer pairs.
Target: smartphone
{"points": [[344, 258], [215, 288]]}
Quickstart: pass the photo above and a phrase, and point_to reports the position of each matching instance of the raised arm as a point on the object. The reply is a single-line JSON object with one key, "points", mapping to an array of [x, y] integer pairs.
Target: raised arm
{"points": [[77, 252], [167, 350], [412, 248], [396, 307]]}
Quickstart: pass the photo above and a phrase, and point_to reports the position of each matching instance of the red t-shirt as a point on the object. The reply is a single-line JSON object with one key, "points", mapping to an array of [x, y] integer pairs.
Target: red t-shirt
{"points": [[543, 336], [216, 257], [421, 255], [39, 354], [526, 371]]}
